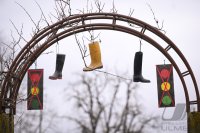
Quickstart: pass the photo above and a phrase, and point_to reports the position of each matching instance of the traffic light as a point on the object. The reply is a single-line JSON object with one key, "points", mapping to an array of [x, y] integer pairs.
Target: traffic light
{"points": [[165, 85], [35, 89]]}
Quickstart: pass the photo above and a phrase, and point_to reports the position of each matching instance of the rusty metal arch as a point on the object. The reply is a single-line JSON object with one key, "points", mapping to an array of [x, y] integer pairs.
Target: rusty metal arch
{"points": [[80, 23]]}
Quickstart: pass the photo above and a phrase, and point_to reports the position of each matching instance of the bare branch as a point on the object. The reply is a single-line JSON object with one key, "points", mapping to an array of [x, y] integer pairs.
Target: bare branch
{"points": [[99, 5], [113, 10], [82, 50], [19, 119], [27, 14], [63, 4], [130, 15], [7, 45], [131, 12], [156, 20], [111, 107], [45, 19], [80, 123], [20, 33], [87, 8]]}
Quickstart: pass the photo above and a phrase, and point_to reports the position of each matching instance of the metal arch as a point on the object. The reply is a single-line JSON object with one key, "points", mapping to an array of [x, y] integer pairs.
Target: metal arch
{"points": [[118, 28], [76, 24]]}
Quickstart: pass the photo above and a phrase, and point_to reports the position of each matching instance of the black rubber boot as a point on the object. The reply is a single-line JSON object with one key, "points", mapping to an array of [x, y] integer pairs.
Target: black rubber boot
{"points": [[60, 59], [137, 77]]}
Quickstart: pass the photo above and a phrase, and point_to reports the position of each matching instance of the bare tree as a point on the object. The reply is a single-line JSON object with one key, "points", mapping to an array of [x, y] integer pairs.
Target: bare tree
{"points": [[7, 54], [1, 57], [108, 105]]}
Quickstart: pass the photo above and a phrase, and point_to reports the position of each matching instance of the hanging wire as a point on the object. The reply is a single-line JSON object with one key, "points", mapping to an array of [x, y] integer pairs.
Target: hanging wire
{"points": [[35, 64], [140, 45], [113, 75], [57, 48], [24, 99]]}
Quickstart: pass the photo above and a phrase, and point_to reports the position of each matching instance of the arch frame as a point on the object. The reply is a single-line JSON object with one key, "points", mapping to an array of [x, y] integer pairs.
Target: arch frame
{"points": [[76, 24]]}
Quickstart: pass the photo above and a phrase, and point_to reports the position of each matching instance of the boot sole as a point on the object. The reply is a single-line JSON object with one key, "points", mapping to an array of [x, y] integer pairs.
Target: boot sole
{"points": [[90, 69], [52, 78], [139, 80]]}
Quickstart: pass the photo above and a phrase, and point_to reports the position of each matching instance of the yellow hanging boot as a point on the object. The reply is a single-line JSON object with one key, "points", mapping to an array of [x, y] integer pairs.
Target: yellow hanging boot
{"points": [[95, 55]]}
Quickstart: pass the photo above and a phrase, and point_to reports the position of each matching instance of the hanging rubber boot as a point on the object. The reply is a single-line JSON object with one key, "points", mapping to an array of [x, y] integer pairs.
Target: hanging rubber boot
{"points": [[60, 58], [95, 55], [137, 77]]}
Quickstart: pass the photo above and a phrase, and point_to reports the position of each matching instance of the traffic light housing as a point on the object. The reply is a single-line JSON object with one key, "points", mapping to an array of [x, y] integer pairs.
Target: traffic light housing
{"points": [[165, 85], [35, 89]]}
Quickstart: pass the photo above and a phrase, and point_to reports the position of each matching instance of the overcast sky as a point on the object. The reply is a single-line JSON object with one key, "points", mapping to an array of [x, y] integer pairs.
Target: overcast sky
{"points": [[181, 23]]}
